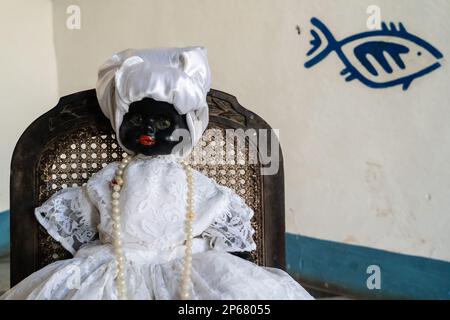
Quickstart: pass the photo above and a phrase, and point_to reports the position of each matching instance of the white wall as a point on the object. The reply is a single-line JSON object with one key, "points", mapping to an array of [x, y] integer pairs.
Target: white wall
{"points": [[363, 166], [28, 84]]}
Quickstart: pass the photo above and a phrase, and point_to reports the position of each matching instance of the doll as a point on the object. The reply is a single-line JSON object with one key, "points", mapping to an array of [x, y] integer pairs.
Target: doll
{"points": [[165, 231]]}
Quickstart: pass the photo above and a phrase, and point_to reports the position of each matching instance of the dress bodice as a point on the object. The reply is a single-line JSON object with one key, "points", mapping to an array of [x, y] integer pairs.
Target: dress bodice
{"points": [[153, 202]]}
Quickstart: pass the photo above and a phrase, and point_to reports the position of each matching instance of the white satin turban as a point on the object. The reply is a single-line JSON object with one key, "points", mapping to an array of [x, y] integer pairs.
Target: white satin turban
{"points": [[179, 76]]}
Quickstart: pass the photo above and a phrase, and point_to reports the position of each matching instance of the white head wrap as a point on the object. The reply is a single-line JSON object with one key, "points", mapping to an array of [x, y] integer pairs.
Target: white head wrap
{"points": [[179, 76]]}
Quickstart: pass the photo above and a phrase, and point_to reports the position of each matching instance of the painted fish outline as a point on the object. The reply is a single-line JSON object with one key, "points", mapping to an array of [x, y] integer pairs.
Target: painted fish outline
{"points": [[352, 72]]}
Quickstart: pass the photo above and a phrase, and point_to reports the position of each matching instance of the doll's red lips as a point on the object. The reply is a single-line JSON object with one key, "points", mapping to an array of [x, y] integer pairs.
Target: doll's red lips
{"points": [[146, 140]]}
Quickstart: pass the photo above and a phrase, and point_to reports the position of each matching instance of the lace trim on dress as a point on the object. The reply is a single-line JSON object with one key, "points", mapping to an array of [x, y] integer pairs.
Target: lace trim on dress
{"points": [[232, 231], [69, 217]]}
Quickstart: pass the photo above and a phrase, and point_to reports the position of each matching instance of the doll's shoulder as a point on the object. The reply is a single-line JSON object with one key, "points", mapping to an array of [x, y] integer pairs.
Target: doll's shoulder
{"points": [[98, 185], [208, 187]]}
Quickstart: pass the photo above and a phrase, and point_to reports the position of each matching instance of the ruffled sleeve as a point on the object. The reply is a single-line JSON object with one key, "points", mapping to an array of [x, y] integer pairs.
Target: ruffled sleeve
{"points": [[231, 230], [70, 217]]}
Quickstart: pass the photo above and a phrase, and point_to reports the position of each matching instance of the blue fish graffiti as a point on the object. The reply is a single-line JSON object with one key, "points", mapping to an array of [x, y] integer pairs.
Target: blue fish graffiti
{"points": [[379, 58]]}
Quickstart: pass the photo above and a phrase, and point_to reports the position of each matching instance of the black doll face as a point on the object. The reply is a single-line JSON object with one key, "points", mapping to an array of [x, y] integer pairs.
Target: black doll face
{"points": [[148, 127]]}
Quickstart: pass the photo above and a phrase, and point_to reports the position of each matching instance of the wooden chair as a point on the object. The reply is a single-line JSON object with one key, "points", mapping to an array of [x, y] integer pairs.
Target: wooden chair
{"points": [[72, 141]]}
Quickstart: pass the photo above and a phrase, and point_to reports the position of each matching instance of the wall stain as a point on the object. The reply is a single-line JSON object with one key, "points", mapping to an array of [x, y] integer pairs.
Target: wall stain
{"points": [[380, 203], [384, 212], [350, 239]]}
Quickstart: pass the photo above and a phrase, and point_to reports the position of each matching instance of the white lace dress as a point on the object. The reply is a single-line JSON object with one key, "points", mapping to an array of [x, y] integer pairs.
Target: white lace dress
{"points": [[153, 202]]}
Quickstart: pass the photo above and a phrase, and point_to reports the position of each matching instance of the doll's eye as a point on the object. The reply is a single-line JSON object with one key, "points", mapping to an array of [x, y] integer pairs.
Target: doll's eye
{"points": [[136, 120], [162, 123]]}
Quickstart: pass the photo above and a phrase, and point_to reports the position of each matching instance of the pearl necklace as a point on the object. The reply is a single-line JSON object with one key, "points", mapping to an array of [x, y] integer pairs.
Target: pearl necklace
{"points": [[117, 243], [190, 215]]}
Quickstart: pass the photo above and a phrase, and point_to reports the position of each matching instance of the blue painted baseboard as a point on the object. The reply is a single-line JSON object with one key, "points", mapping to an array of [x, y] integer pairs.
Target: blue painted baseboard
{"points": [[4, 233], [342, 268]]}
